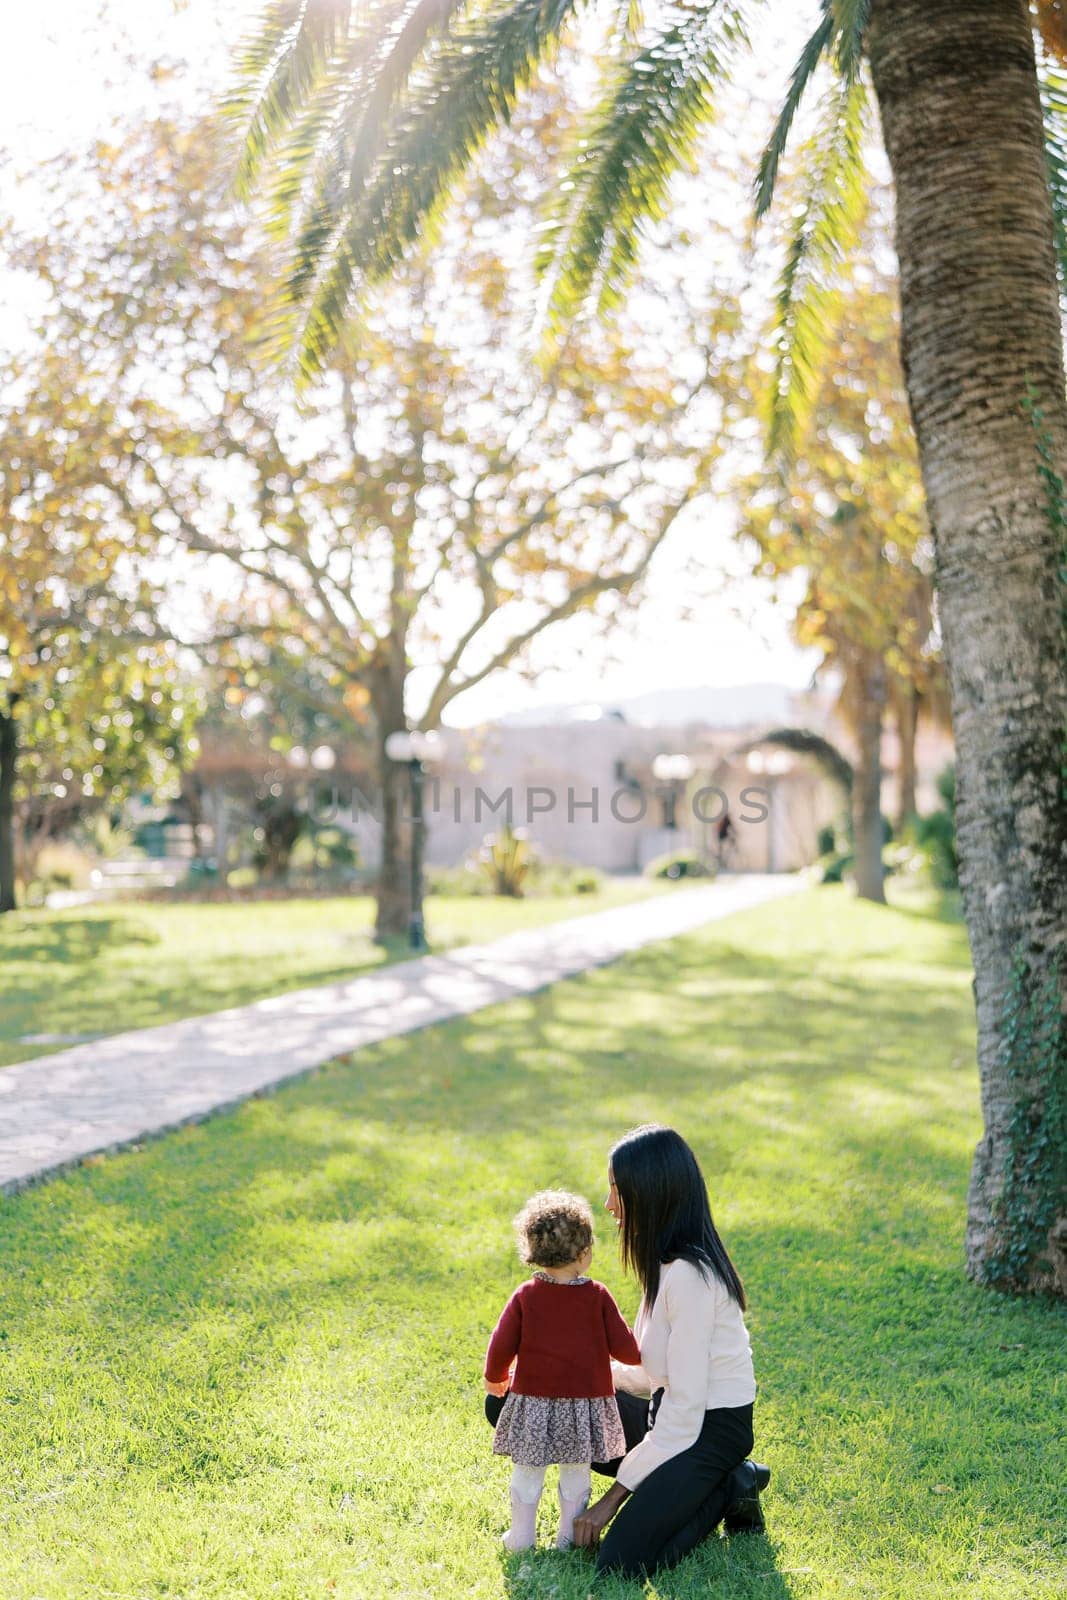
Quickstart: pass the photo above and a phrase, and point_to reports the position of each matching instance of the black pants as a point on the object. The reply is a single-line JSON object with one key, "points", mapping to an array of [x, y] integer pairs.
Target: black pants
{"points": [[678, 1504]]}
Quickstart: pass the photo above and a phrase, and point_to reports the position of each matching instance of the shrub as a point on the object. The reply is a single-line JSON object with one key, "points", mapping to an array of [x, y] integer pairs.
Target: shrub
{"points": [[58, 866], [679, 864], [103, 836], [467, 879], [904, 858], [325, 850], [242, 878], [558, 878], [201, 872], [935, 834], [507, 859], [826, 840], [64, 866], [836, 866], [545, 878], [936, 837]]}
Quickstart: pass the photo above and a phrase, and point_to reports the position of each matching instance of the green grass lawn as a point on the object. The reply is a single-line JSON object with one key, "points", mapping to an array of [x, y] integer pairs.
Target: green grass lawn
{"points": [[132, 964], [245, 1360]]}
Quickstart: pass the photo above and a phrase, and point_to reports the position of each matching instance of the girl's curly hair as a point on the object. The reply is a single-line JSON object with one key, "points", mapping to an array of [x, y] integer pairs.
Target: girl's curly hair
{"points": [[553, 1228]]}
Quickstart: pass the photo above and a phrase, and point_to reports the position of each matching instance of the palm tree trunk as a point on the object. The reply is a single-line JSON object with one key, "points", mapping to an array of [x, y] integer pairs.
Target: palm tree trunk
{"points": [[906, 715], [867, 782], [8, 760], [957, 91]]}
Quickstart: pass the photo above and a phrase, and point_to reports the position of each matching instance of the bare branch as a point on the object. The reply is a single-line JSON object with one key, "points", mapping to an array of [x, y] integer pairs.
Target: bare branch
{"points": [[621, 582]]}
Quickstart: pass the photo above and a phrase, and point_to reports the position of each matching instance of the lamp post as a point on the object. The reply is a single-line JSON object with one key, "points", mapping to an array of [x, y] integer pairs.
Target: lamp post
{"points": [[415, 749]]}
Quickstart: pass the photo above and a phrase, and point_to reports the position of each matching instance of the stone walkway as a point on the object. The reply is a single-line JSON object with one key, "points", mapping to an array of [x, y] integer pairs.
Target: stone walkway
{"points": [[58, 1109]]}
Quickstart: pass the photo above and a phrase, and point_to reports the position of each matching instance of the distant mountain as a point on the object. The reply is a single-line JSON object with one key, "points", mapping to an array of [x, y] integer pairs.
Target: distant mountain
{"points": [[668, 708]]}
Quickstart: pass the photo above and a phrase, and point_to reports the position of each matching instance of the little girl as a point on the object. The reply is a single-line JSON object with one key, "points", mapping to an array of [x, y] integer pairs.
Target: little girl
{"points": [[558, 1333]]}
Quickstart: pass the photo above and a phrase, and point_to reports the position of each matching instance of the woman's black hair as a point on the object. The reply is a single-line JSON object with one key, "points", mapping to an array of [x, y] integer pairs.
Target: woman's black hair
{"points": [[666, 1215]]}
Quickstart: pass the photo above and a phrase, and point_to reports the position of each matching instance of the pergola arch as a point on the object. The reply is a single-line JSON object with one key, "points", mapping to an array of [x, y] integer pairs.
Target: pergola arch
{"points": [[799, 741]]}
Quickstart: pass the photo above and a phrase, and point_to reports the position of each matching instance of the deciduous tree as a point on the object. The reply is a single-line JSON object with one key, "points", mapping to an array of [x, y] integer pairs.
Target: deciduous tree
{"points": [[433, 505], [93, 702], [847, 512]]}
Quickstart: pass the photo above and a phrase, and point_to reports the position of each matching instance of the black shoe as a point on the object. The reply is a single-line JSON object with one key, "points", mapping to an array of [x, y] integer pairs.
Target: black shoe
{"points": [[743, 1514]]}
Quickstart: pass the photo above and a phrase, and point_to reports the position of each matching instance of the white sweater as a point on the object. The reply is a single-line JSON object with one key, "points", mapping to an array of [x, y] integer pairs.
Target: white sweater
{"points": [[694, 1346]]}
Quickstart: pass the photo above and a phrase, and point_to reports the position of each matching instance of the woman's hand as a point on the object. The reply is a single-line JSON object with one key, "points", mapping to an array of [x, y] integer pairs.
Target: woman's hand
{"points": [[594, 1519], [497, 1388]]}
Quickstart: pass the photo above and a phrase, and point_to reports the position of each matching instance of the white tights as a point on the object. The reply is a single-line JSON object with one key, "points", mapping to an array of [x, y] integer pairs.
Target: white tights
{"points": [[526, 1486]]}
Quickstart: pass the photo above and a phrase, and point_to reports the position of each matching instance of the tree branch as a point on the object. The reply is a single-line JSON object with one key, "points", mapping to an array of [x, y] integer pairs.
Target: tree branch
{"points": [[589, 590]]}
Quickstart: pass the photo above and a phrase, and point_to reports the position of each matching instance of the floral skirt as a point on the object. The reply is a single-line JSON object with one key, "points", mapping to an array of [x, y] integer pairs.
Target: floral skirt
{"points": [[535, 1430]]}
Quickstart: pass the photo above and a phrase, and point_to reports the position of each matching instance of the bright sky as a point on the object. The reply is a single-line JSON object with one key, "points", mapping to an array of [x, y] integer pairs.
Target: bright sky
{"points": [[63, 73]]}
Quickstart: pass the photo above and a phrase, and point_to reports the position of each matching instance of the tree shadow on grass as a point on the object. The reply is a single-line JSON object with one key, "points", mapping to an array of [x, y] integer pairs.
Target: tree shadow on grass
{"points": [[76, 938], [339, 1205], [555, 1057], [742, 1568], [565, 1058], [874, 1332], [944, 906]]}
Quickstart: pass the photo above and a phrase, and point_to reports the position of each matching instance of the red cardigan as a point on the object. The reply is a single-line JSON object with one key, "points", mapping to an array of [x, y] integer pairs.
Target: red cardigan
{"points": [[564, 1336]]}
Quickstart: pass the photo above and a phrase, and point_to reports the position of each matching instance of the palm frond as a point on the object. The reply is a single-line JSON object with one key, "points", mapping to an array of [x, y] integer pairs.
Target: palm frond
{"points": [[314, 145], [839, 34], [257, 52], [1052, 82], [312, 190], [630, 16], [325, 136], [398, 61], [807, 62], [472, 79], [825, 227], [278, 70], [643, 132], [850, 25]]}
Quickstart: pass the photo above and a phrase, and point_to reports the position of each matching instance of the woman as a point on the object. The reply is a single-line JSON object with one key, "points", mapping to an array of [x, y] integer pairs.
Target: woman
{"points": [[685, 1469]]}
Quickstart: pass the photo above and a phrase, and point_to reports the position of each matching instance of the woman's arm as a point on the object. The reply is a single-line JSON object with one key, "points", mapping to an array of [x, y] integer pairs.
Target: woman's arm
{"points": [[689, 1305], [589, 1526], [631, 1380]]}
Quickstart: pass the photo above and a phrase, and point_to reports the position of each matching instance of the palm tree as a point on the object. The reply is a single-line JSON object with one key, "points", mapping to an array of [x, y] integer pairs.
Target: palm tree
{"points": [[369, 114]]}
